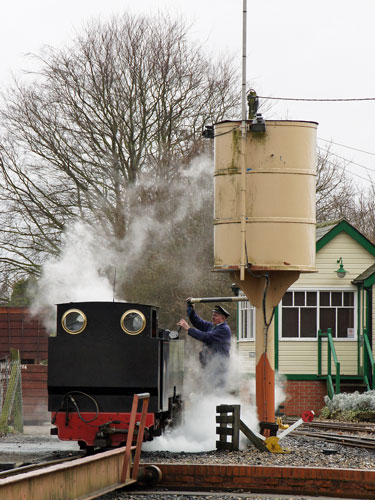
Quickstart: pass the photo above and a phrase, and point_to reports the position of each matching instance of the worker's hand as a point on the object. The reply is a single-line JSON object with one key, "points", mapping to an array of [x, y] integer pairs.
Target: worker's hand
{"points": [[183, 324], [190, 307]]}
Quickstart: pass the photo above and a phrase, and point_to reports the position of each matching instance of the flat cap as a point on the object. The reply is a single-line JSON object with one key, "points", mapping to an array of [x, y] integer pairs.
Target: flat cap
{"points": [[221, 310]]}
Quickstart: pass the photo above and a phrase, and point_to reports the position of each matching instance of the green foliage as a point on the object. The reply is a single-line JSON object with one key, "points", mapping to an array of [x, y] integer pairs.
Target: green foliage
{"points": [[21, 292], [348, 406]]}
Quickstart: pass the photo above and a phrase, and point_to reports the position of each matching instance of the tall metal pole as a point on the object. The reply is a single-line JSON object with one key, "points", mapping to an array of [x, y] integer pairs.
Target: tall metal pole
{"points": [[244, 42], [243, 262]]}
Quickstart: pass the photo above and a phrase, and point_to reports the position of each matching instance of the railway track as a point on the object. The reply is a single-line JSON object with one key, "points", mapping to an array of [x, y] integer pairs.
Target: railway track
{"points": [[347, 433], [343, 439], [36, 466], [341, 426], [349, 427]]}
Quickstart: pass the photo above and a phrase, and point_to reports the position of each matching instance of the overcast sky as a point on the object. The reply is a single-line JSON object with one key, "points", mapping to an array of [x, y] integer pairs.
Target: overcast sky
{"points": [[296, 48]]}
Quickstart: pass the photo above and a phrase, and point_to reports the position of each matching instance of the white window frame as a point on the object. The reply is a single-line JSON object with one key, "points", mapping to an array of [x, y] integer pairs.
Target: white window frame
{"points": [[320, 289], [246, 313]]}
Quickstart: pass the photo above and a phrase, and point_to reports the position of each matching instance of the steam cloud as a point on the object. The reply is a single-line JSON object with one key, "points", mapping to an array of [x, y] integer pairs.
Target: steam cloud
{"points": [[197, 433], [80, 273]]}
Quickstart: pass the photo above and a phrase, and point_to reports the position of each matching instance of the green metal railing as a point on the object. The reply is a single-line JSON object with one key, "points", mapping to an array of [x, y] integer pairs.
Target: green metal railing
{"points": [[331, 354], [368, 363]]}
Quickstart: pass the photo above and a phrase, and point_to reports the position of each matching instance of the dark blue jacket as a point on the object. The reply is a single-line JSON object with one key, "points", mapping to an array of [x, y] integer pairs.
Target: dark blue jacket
{"points": [[216, 338]]}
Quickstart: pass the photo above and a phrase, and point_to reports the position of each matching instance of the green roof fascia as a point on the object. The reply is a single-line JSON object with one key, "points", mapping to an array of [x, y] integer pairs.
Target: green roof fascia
{"points": [[344, 226], [369, 281]]}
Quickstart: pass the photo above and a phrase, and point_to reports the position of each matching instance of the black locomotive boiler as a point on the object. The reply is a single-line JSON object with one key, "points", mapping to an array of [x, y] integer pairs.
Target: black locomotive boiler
{"points": [[104, 353]]}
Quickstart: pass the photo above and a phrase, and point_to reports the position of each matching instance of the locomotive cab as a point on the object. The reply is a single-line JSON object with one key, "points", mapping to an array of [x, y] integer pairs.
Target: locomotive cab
{"points": [[104, 353]]}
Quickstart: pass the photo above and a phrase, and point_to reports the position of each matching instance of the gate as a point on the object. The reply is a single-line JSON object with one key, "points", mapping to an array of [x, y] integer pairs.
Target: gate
{"points": [[11, 413]]}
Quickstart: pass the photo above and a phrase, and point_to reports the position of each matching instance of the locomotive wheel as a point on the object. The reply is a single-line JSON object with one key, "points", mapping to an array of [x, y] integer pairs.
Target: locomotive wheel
{"points": [[84, 447], [150, 475]]}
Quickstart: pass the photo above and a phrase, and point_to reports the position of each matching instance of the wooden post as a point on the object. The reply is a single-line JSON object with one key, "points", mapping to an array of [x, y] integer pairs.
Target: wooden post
{"points": [[129, 440]]}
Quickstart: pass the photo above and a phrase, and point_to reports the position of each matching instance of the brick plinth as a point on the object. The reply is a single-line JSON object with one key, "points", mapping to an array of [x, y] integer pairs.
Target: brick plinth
{"points": [[303, 395], [337, 483]]}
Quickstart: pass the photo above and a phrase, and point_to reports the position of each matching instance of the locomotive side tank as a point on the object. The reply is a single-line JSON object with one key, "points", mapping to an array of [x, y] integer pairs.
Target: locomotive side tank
{"points": [[104, 353]]}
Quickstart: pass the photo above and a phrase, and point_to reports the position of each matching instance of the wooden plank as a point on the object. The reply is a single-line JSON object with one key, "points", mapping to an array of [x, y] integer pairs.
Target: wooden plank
{"points": [[26, 340], [33, 401], [14, 310], [34, 323], [26, 332], [36, 368], [14, 316], [236, 429], [39, 355], [33, 376], [32, 413], [82, 478], [34, 393], [257, 442], [28, 385], [225, 408], [224, 419], [35, 409], [23, 346], [36, 418], [24, 325], [228, 431]]}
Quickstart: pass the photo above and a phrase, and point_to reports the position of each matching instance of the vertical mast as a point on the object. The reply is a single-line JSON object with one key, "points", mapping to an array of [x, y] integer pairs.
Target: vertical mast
{"points": [[243, 145]]}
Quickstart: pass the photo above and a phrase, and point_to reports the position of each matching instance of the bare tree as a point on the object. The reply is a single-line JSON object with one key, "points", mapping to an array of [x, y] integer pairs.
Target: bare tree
{"points": [[335, 191], [363, 214], [339, 197], [124, 107]]}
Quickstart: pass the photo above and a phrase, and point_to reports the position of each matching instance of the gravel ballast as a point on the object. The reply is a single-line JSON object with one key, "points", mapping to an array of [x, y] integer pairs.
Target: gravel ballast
{"points": [[305, 452]]}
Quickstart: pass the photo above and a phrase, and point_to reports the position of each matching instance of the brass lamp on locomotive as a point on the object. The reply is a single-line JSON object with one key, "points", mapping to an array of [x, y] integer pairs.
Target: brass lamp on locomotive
{"points": [[104, 353]]}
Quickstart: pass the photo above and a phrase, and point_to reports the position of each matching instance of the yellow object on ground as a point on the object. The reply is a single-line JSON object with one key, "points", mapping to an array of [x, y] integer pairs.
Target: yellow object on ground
{"points": [[272, 444]]}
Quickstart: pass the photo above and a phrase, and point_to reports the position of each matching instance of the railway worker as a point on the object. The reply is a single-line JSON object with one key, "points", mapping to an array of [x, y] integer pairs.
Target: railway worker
{"points": [[215, 336]]}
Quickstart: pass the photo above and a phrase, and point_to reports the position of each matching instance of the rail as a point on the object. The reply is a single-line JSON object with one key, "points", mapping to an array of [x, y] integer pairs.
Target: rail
{"points": [[330, 354], [368, 363]]}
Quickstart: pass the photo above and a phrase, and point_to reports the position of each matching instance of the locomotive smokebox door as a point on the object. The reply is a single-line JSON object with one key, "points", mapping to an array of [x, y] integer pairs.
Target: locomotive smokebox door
{"points": [[107, 350]]}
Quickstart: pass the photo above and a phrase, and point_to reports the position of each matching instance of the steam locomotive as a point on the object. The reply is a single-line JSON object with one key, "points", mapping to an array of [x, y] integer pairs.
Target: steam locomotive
{"points": [[104, 353]]}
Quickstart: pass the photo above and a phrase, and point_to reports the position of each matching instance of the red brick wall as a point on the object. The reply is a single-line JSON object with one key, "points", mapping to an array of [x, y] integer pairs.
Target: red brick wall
{"points": [[335, 483], [34, 394], [304, 395]]}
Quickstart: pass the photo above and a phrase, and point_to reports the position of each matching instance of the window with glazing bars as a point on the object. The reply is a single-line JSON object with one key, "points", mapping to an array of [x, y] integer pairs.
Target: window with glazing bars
{"points": [[246, 321], [303, 313]]}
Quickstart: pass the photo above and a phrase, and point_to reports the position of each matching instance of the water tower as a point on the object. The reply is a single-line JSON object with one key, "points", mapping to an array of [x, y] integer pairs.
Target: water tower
{"points": [[264, 226]]}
